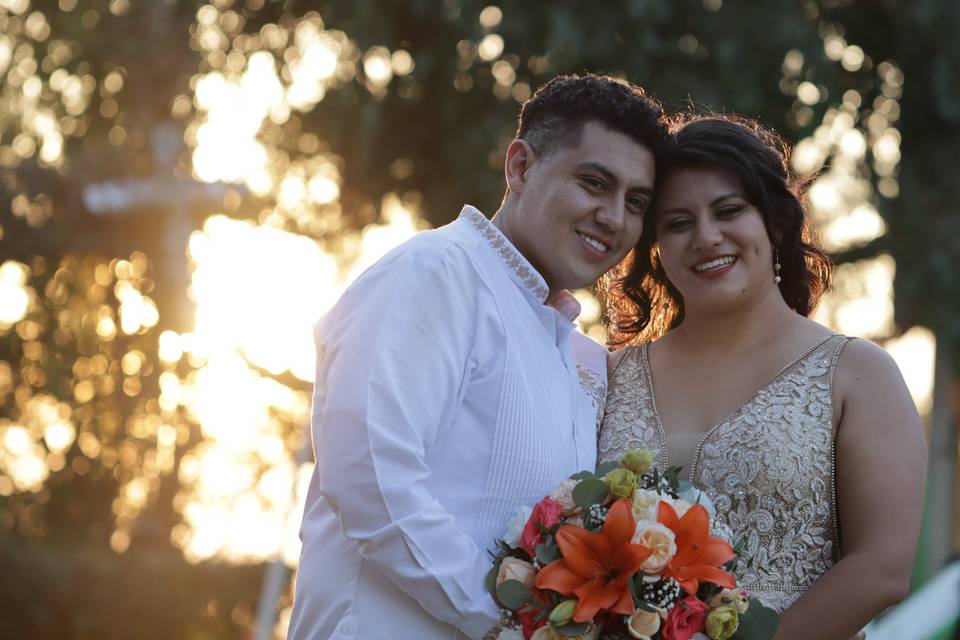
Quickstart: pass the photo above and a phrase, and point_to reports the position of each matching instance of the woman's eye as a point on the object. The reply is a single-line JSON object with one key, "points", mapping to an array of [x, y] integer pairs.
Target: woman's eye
{"points": [[677, 224], [729, 212]]}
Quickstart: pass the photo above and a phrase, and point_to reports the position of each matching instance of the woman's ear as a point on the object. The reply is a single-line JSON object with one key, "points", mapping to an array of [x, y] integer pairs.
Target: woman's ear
{"points": [[520, 157]]}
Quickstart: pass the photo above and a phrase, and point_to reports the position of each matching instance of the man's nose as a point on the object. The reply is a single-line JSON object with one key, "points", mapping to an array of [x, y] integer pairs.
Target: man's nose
{"points": [[612, 215]]}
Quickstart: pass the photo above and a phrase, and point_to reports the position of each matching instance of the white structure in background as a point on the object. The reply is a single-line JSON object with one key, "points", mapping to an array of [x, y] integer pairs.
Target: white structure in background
{"points": [[926, 613], [163, 191]]}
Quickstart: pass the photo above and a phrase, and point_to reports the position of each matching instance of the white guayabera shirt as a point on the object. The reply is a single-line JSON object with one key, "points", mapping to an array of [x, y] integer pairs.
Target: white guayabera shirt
{"points": [[448, 393]]}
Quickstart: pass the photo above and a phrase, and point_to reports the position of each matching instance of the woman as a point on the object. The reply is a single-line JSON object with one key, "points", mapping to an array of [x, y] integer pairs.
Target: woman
{"points": [[806, 441]]}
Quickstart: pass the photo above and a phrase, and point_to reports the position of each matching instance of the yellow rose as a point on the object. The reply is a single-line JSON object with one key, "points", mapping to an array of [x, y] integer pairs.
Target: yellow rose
{"points": [[737, 598], [643, 624], [645, 504], [621, 483], [661, 542], [722, 623], [637, 460], [516, 569]]}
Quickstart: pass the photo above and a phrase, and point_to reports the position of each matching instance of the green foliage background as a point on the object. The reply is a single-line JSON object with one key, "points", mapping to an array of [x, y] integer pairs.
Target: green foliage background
{"points": [[61, 578]]}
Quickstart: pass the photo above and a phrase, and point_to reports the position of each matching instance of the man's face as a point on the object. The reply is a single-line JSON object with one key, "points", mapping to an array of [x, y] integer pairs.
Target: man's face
{"points": [[580, 209]]}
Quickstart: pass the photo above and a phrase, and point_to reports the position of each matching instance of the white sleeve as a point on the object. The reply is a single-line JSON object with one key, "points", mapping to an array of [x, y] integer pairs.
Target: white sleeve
{"points": [[394, 359]]}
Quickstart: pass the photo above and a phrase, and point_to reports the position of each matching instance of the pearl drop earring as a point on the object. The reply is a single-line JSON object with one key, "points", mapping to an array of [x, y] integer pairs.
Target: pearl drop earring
{"points": [[776, 267]]}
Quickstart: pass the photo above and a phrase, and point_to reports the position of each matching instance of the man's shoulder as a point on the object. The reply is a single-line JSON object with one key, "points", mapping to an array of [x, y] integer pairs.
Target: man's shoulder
{"points": [[437, 263]]}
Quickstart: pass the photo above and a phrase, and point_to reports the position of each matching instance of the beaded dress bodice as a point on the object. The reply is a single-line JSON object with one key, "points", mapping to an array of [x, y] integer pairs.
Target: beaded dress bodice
{"points": [[768, 467]]}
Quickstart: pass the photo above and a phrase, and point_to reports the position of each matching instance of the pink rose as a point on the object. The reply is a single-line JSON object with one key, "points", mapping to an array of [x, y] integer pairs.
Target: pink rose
{"points": [[546, 513], [685, 619]]}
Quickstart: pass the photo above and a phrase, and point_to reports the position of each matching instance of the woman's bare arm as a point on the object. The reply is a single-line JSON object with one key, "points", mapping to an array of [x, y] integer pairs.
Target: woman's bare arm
{"points": [[880, 472]]}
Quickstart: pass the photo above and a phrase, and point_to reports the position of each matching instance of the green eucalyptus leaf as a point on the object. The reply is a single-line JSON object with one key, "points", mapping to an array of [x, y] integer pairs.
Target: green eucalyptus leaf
{"points": [[547, 553], [513, 594], [491, 580], [758, 623], [590, 492], [582, 475]]}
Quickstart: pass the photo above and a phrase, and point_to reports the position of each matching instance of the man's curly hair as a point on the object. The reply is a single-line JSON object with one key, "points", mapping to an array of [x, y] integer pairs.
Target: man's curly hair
{"points": [[555, 115]]}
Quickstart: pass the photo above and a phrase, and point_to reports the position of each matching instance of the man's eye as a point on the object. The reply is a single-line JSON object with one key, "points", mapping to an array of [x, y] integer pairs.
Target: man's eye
{"points": [[638, 204], [593, 183]]}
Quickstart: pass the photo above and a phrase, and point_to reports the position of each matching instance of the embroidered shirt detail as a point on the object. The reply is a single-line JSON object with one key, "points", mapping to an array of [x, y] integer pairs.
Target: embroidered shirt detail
{"points": [[526, 274], [596, 388]]}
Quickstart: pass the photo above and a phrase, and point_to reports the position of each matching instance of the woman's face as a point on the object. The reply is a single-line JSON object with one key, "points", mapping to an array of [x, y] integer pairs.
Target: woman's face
{"points": [[713, 243]]}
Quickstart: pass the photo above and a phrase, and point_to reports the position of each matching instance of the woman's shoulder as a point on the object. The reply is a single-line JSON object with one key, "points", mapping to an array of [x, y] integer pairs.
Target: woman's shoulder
{"points": [[866, 369], [628, 357]]}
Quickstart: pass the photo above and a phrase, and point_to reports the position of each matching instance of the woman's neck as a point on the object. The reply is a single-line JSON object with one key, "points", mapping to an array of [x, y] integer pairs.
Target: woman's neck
{"points": [[745, 327]]}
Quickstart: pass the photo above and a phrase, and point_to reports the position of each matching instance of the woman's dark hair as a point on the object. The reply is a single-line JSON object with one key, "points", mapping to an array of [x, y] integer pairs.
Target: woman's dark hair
{"points": [[642, 304]]}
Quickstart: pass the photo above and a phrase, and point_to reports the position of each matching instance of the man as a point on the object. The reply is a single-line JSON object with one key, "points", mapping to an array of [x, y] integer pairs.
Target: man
{"points": [[451, 386]]}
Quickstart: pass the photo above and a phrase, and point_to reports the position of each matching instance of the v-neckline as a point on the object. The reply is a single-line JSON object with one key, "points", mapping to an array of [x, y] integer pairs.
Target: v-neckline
{"points": [[648, 371]]}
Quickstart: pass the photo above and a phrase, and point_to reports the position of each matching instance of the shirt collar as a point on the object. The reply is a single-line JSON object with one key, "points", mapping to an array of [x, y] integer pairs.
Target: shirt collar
{"points": [[521, 271]]}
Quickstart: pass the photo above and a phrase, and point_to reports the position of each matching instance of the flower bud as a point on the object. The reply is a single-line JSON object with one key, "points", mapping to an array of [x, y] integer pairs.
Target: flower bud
{"points": [[563, 612]]}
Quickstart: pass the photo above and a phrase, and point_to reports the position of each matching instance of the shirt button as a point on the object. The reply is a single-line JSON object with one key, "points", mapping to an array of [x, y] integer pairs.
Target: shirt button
{"points": [[349, 627]]}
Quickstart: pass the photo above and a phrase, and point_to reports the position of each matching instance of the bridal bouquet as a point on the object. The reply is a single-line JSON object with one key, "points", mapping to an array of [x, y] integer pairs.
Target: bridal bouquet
{"points": [[626, 552]]}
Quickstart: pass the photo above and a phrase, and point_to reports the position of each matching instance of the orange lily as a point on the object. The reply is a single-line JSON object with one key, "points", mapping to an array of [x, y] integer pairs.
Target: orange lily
{"points": [[596, 567], [699, 555]]}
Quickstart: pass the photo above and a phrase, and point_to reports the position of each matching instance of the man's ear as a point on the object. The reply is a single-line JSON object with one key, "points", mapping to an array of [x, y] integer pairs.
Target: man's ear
{"points": [[520, 157]]}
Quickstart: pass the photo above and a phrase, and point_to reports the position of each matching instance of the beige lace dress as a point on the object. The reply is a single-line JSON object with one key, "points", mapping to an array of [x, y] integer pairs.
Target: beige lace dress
{"points": [[768, 467]]}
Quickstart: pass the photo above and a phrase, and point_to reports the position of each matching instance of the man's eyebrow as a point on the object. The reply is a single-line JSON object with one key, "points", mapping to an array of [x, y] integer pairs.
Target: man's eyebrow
{"points": [[609, 175], [599, 168]]}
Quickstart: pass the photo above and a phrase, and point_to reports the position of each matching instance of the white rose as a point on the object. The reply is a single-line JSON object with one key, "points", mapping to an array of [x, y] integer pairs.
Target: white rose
{"points": [[576, 521], [699, 636], [510, 634], [661, 542], [516, 569], [563, 495], [643, 624], [516, 525], [645, 504]]}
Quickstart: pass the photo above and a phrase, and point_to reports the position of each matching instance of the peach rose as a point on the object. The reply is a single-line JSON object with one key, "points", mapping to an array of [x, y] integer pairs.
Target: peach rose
{"points": [[563, 495], [661, 542], [516, 569], [643, 624]]}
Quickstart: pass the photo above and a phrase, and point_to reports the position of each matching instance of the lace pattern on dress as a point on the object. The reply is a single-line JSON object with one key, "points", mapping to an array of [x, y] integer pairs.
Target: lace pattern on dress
{"points": [[769, 467], [628, 419]]}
